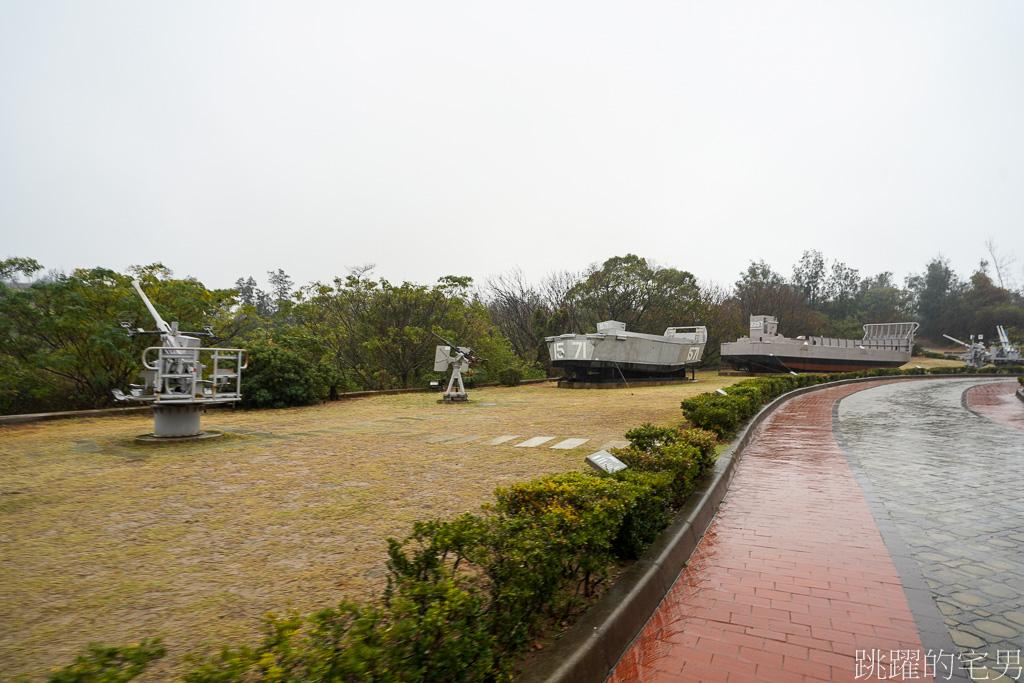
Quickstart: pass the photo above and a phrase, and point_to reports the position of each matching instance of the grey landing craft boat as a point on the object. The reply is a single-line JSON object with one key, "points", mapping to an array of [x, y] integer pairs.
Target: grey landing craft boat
{"points": [[885, 345], [614, 355]]}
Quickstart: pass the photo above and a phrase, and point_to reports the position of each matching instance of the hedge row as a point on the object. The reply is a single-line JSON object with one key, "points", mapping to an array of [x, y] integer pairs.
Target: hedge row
{"points": [[723, 413], [465, 597]]}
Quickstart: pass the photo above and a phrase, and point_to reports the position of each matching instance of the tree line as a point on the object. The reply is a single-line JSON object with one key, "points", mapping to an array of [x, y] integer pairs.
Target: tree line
{"points": [[62, 348]]}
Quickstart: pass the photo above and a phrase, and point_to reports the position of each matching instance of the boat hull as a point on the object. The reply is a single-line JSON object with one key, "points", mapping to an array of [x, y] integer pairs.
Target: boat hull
{"points": [[627, 355], [798, 357]]}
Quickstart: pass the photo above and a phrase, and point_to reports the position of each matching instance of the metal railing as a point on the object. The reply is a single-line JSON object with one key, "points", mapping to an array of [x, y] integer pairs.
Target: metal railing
{"points": [[191, 375]]}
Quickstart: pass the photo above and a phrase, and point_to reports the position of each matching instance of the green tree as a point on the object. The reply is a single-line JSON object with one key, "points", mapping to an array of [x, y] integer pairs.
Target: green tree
{"points": [[645, 296], [810, 278], [762, 291], [62, 347], [938, 298], [881, 301], [378, 335]]}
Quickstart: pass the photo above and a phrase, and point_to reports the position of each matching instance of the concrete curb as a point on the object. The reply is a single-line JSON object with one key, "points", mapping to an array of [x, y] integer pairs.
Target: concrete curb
{"points": [[104, 412], [589, 651], [67, 415], [1020, 394]]}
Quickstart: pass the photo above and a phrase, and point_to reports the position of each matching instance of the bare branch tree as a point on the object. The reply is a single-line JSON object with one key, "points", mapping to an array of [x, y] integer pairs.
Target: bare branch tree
{"points": [[1000, 263]]}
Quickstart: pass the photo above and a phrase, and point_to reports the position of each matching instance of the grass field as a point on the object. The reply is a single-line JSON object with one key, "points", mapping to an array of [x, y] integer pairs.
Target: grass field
{"points": [[107, 541], [112, 542]]}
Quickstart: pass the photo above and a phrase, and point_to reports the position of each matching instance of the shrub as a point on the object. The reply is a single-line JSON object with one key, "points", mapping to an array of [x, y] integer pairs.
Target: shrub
{"points": [[681, 462], [510, 377], [705, 442], [278, 378], [647, 436], [647, 514], [592, 514], [101, 664]]}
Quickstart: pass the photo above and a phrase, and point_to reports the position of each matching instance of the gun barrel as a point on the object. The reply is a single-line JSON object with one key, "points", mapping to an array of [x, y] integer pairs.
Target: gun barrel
{"points": [[451, 344], [956, 340], [162, 326]]}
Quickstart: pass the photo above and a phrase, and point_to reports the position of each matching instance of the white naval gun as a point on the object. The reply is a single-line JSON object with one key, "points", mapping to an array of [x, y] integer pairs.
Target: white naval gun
{"points": [[180, 378], [976, 355], [458, 359], [1005, 353]]}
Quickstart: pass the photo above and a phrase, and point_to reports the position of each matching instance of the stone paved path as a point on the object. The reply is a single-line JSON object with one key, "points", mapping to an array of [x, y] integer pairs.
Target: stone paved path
{"points": [[856, 514], [950, 480]]}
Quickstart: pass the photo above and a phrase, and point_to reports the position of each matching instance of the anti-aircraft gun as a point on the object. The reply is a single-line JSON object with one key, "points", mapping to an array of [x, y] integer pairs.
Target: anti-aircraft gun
{"points": [[179, 378], [459, 359], [1005, 353], [976, 355]]}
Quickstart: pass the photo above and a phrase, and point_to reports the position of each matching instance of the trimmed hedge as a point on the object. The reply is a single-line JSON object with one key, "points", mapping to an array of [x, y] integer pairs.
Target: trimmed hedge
{"points": [[723, 414]]}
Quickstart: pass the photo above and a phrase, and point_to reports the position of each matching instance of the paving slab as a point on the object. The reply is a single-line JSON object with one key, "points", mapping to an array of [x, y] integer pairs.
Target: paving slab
{"points": [[534, 442], [441, 438], [464, 439], [570, 443], [500, 440]]}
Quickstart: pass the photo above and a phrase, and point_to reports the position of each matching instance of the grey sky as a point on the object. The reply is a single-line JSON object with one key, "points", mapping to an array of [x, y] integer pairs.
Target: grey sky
{"points": [[226, 139]]}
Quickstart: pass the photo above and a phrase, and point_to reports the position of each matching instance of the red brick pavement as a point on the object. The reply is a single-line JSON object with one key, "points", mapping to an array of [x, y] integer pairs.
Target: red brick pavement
{"points": [[792, 578], [998, 402]]}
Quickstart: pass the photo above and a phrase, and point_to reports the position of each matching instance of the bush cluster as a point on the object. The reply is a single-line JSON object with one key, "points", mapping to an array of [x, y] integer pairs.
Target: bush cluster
{"points": [[684, 454]]}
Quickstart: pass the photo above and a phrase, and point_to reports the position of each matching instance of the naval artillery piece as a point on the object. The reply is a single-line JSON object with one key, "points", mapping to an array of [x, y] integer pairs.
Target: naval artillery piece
{"points": [[977, 356], [180, 378]]}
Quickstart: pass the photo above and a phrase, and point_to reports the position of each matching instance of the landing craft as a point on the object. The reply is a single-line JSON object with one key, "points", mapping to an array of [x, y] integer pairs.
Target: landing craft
{"points": [[613, 355], [885, 345]]}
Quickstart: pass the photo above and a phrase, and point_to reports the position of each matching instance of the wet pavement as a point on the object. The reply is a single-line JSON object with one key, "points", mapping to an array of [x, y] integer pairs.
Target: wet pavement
{"points": [[998, 402], [869, 527], [950, 480]]}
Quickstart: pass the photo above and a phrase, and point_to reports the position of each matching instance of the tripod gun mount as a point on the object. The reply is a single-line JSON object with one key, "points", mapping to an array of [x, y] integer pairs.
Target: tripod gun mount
{"points": [[458, 359]]}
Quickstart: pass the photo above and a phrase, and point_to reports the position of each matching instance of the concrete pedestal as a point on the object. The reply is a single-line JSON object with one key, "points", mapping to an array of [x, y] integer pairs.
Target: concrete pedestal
{"points": [[176, 421]]}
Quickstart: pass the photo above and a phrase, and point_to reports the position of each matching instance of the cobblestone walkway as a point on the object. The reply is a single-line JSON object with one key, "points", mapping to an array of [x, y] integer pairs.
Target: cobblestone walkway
{"points": [[950, 480], [856, 514]]}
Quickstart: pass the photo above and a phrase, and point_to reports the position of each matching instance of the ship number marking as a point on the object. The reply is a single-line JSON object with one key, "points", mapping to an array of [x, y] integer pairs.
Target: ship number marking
{"points": [[692, 353], [579, 349]]}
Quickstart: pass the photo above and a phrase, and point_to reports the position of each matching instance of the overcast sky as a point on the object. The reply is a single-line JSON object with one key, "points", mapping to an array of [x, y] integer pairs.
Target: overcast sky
{"points": [[226, 139]]}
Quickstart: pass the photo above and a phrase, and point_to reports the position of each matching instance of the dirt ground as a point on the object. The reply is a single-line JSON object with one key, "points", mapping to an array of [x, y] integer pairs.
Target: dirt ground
{"points": [[106, 541]]}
